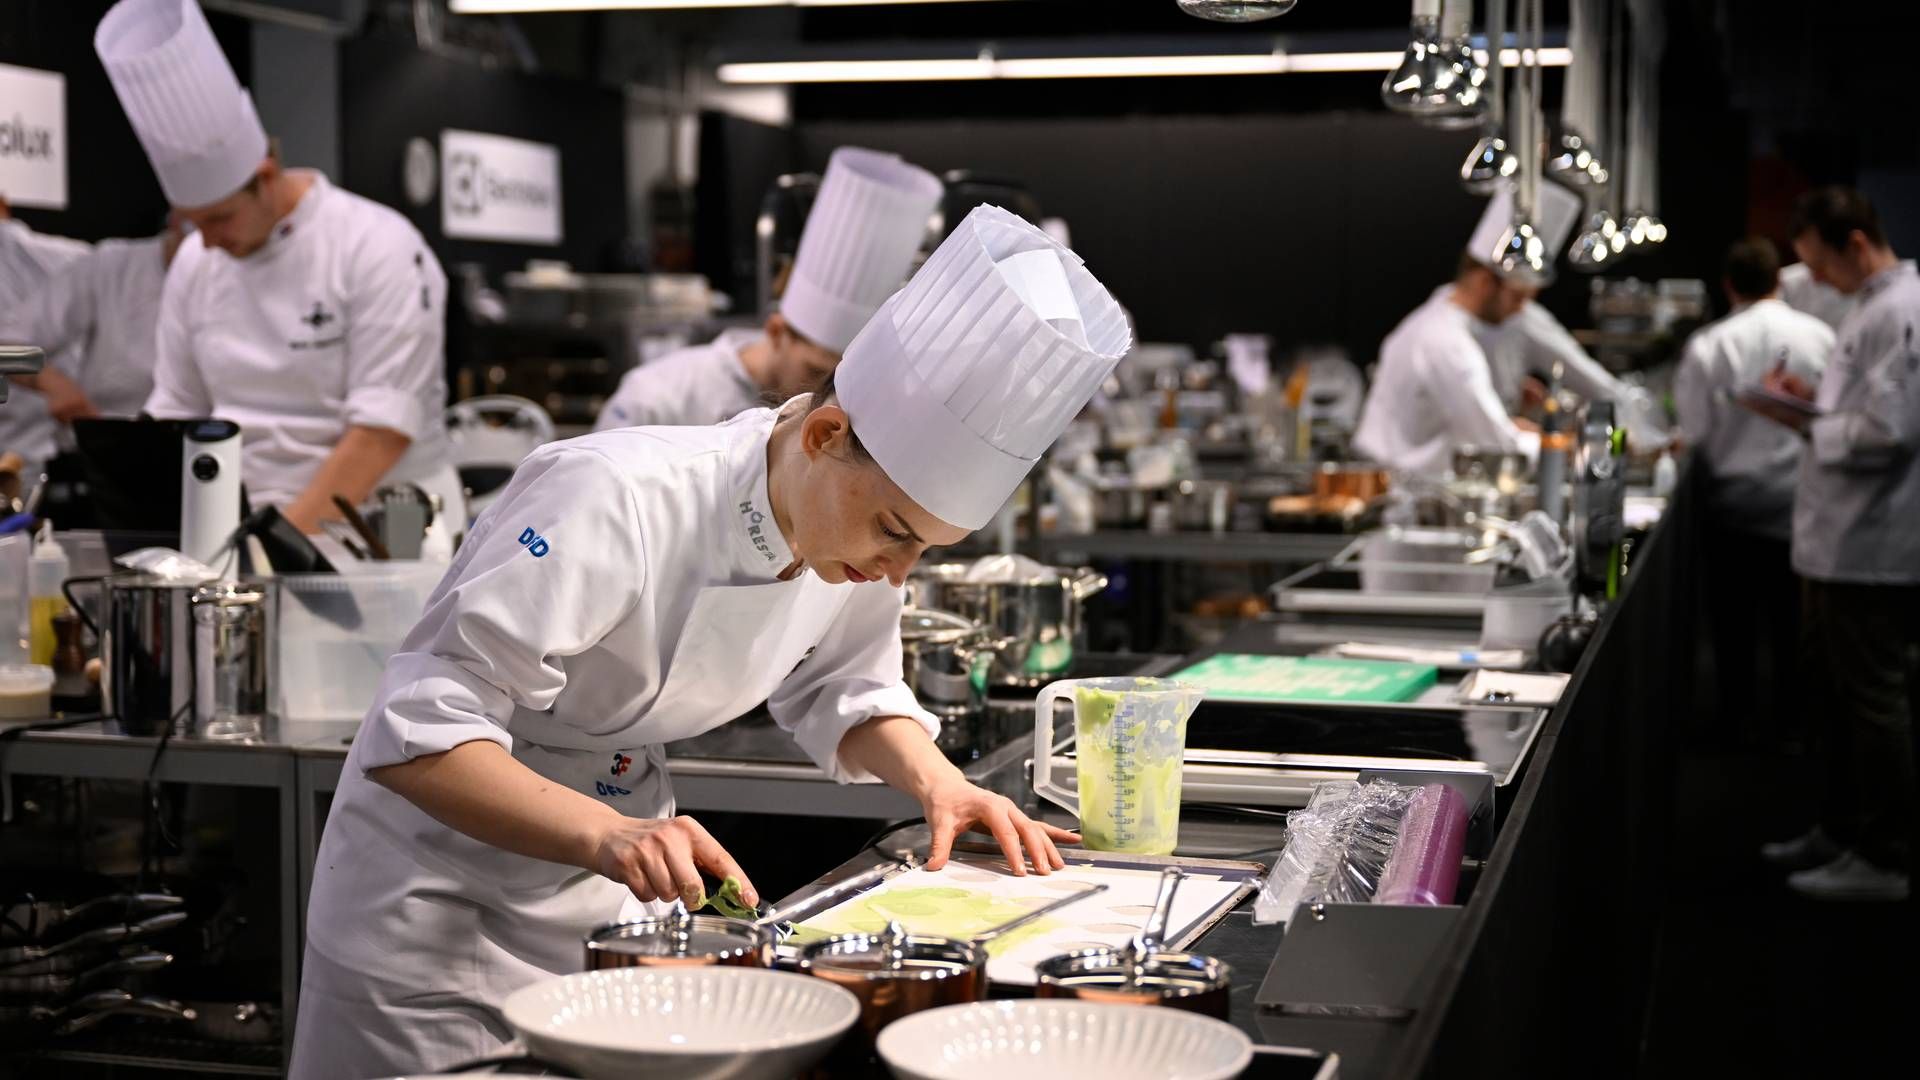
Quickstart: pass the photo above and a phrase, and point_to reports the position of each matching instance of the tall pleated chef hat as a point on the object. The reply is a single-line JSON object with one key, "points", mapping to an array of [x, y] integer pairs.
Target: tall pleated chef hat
{"points": [[965, 377], [859, 240], [197, 125], [1554, 218]]}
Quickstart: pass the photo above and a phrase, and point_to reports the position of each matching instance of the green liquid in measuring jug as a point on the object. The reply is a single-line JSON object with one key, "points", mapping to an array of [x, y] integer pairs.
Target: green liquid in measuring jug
{"points": [[1129, 774]]}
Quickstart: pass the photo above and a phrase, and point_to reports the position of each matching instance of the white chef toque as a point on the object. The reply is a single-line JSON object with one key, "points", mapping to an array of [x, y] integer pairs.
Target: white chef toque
{"points": [[1554, 218], [858, 243], [965, 377], [195, 122]]}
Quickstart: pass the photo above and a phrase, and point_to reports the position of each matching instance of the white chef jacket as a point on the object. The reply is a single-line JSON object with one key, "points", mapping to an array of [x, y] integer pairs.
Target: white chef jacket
{"points": [[1432, 393], [1856, 515], [1531, 341], [620, 594], [1822, 301], [1755, 462], [28, 262], [340, 320], [700, 384], [107, 302]]}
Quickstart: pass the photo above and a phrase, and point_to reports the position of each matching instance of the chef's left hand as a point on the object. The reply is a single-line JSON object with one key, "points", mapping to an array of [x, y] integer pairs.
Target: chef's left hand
{"points": [[956, 806]]}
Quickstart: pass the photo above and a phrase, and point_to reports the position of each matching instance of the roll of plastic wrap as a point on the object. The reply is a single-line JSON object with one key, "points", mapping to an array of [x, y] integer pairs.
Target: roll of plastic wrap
{"points": [[1425, 866]]}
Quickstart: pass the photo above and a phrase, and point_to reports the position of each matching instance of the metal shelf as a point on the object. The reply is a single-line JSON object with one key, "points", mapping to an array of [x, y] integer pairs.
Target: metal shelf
{"points": [[172, 1053]]}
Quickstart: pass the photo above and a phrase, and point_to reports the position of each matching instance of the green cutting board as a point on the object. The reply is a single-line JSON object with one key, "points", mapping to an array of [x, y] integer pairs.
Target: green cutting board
{"points": [[1239, 677]]}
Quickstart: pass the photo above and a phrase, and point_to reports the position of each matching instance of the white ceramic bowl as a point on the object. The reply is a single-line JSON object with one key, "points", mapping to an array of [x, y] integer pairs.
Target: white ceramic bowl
{"points": [[1063, 1040], [708, 1023]]}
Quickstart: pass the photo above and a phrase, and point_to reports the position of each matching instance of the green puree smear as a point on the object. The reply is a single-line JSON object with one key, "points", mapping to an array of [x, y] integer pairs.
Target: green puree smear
{"points": [[939, 911], [727, 901]]}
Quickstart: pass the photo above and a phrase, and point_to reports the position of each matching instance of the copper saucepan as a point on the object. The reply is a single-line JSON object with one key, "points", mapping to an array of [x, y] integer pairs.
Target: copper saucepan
{"points": [[895, 973], [1140, 973]]}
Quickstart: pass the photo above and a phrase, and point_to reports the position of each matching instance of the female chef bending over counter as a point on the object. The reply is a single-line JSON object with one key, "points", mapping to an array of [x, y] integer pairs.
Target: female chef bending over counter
{"points": [[508, 793]]}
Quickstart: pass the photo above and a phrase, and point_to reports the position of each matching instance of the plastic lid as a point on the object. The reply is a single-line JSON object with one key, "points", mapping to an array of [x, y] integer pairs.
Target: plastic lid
{"points": [[20, 679]]}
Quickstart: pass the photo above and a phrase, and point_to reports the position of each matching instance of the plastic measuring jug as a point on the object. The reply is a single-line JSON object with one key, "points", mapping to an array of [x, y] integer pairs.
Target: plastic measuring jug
{"points": [[1131, 739]]}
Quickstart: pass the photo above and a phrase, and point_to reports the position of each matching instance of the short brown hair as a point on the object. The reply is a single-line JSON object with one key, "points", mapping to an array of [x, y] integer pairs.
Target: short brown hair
{"points": [[1753, 268], [1834, 214]]}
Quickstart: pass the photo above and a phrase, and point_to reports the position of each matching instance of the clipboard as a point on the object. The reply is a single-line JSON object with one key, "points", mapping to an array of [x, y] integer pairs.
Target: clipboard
{"points": [[1761, 396]]}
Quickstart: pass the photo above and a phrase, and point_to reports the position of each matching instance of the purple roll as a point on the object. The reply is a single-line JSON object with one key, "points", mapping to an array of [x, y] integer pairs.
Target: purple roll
{"points": [[1425, 865]]}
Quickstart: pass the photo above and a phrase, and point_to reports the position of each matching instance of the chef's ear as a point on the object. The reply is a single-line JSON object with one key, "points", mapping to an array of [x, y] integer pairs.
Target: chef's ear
{"points": [[826, 430], [779, 333]]}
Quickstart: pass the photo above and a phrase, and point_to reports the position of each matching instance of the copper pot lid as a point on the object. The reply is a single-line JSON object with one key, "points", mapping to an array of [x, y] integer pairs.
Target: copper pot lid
{"points": [[680, 935], [1165, 974], [893, 954]]}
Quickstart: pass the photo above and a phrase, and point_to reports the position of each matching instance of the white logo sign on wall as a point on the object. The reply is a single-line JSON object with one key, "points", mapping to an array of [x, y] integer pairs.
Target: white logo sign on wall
{"points": [[496, 188], [33, 137]]}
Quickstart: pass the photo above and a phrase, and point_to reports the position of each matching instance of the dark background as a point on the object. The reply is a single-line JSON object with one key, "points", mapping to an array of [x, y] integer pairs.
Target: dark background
{"points": [[111, 190], [1293, 205], [393, 92]]}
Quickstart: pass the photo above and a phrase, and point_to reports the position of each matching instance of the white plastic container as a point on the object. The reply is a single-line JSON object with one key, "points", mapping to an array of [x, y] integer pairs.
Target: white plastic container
{"points": [[1516, 617], [26, 692], [337, 632]]}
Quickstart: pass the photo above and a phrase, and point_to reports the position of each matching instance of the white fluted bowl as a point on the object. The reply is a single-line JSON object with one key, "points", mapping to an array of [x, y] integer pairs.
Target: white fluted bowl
{"points": [[1063, 1040], [707, 1023]]}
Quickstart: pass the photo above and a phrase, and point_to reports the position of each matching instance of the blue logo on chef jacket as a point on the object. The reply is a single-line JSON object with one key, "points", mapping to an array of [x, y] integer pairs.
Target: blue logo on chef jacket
{"points": [[535, 544], [608, 789]]}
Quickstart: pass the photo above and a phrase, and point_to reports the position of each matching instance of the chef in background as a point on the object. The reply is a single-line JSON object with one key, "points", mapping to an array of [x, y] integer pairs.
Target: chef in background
{"points": [[312, 317], [107, 305], [1856, 544], [28, 261], [1801, 292], [1433, 390], [1751, 464], [859, 241]]}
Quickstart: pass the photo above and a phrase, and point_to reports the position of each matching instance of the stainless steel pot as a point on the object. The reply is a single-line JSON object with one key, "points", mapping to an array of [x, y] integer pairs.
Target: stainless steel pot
{"points": [[680, 940], [940, 654], [146, 665], [1035, 622], [234, 655]]}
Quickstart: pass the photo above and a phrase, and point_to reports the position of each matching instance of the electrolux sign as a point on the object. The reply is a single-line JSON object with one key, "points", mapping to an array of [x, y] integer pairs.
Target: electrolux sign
{"points": [[496, 188], [33, 137]]}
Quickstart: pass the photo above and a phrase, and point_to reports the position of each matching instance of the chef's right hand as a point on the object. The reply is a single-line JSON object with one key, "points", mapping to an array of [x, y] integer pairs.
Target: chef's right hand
{"points": [[661, 859]]}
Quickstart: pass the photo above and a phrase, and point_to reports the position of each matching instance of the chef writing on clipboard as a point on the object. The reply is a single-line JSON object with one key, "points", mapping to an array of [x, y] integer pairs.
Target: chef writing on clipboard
{"points": [[507, 793]]}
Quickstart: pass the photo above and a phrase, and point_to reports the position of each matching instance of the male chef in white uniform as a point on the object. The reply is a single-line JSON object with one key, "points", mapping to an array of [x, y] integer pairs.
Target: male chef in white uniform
{"points": [[28, 261], [1433, 390], [308, 315], [107, 305], [1856, 544], [1750, 464], [860, 238]]}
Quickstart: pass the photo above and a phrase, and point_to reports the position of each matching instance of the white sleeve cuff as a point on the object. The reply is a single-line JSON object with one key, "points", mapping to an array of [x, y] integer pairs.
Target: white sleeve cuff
{"points": [[839, 707], [386, 407], [426, 705]]}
